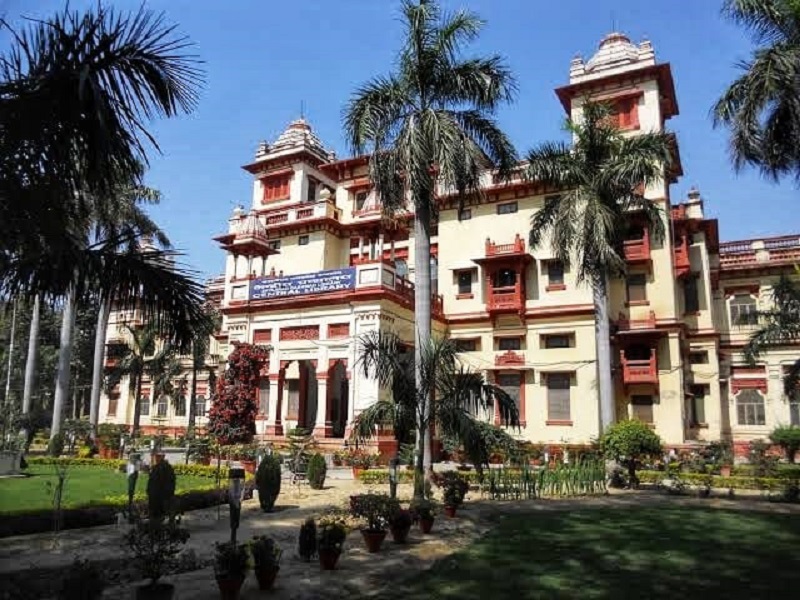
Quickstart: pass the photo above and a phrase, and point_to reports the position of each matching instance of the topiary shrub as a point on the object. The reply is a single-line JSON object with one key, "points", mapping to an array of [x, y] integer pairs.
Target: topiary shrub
{"points": [[316, 471], [55, 447], [268, 481], [629, 442], [160, 490], [307, 541], [788, 438]]}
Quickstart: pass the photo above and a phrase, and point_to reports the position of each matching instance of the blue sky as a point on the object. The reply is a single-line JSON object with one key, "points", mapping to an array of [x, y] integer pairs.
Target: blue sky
{"points": [[263, 58]]}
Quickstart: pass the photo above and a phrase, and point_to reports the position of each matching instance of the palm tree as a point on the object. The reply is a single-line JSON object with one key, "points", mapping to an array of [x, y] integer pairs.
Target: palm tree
{"points": [[459, 394], [602, 175], [780, 326], [200, 344], [32, 357], [762, 107], [76, 92], [430, 122]]}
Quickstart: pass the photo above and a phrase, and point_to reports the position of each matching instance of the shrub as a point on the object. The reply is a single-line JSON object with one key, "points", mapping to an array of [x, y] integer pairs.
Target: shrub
{"points": [[230, 560], [55, 447], [83, 581], [454, 487], [763, 463], [788, 438], [268, 481], [316, 471], [155, 543], [307, 541], [160, 490], [374, 509], [629, 442], [331, 533], [265, 552]]}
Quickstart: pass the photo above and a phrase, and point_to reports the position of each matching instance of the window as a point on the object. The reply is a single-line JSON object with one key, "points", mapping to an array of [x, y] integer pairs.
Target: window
{"points": [[434, 276], [180, 406], [509, 343], [558, 387], [697, 405], [507, 208], [161, 406], [555, 273], [113, 401], [510, 383], [293, 396], [144, 406], [465, 214], [750, 408], [276, 188], [465, 282], [263, 396], [698, 357], [560, 340], [302, 240], [401, 268], [642, 408], [275, 244], [691, 299], [743, 310], [626, 113], [794, 410], [505, 278], [200, 406], [467, 345], [637, 288], [311, 195], [361, 200]]}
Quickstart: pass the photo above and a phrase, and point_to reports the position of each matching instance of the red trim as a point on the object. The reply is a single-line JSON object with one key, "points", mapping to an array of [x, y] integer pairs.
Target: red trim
{"points": [[509, 358], [262, 336], [338, 330], [737, 371], [299, 332], [738, 385], [556, 287], [638, 303], [464, 296], [558, 423]]}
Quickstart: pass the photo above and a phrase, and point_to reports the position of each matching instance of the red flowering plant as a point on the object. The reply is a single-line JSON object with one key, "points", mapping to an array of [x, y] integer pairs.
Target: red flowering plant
{"points": [[232, 416]]}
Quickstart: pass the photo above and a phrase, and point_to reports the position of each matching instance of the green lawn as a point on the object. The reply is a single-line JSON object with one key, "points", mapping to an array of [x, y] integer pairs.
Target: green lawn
{"points": [[643, 553], [84, 485]]}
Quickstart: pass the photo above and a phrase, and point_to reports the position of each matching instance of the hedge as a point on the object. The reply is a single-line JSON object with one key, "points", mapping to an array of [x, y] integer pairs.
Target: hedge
{"points": [[717, 481], [119, 464], [381, 476]]}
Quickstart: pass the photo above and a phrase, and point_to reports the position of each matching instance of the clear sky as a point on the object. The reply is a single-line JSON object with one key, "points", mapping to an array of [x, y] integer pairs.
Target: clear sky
{"points": [[264, 57]]}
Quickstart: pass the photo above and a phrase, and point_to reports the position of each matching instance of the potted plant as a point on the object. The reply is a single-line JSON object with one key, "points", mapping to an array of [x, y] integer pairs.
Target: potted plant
{"points": [[423, 512], [83, 581], [266, 560], [247, 456], [155, 543], [230, 568], [400, 525], [359, 461], [331, 534], [374, 510], [454, 488], [338, 459]]}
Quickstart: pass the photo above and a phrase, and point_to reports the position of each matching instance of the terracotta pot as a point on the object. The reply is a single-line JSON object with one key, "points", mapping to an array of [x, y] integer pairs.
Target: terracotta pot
{"points": [[356, 472], [328, 559], [266, 576], [249, 466], [400, 534], [229, 588], [426, 525], [450, 512], [373, 539], [158, 591], [725, 471]]}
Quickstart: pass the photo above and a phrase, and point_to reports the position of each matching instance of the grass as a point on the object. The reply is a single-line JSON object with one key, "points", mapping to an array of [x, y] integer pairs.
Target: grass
{"points": [[653, 553], [83, 486]]}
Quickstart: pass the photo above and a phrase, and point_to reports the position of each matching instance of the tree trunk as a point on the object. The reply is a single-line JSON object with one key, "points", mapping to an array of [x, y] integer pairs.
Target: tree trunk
{"points": [[64, 359], [137, 408], [422, 318], [76, 412], [603, 342], [97, 363], [33, 354], [192, 400]]}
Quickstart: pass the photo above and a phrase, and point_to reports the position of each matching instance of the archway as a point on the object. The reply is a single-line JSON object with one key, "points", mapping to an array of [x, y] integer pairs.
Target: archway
{"points": [[339, 392], [300, 389]]}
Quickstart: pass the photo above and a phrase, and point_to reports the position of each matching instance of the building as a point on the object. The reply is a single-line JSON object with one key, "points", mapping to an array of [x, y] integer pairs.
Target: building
{"points": [[312, 265]]}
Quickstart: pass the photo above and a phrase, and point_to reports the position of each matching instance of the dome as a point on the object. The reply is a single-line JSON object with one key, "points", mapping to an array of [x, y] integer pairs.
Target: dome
{"points": [[297, 137], [616, 49]]}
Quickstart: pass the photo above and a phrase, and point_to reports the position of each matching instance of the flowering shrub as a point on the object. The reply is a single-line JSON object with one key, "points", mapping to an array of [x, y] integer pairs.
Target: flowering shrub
{"points": [[454, 487], [374, 509], [332, 531], [232, 416], [359, 459]]}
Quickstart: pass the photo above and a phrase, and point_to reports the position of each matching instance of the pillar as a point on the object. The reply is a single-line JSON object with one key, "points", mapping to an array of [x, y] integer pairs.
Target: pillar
{"points": [[323, 427], [274, 417]]}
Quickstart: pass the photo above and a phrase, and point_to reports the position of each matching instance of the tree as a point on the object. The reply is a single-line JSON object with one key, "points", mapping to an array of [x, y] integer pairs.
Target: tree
{"points": [[232, 416], [762, 107], [628, 442], [77, 91], [458, 395], [199, 352], [602, 176], [779, 326], [431, 122], [788, 438]]}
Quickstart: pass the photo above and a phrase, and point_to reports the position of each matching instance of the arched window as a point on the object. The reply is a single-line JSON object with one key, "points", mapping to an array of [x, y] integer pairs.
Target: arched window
{"points": [[161, 406], [144, 406], [200, 406], [743, 310], [263, 396], [750, 408], [180, 406]]}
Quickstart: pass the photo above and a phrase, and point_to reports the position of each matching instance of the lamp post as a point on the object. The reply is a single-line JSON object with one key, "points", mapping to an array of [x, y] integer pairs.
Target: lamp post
{"points": [[134, 464], [393, 476], [235, 491]]}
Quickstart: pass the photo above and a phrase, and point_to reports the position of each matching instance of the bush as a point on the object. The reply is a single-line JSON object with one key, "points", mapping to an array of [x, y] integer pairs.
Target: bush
{"points": [[55, 447], [307, 541], [160, 490], [717, 481], [374, 509], [629, 442], [316, 471], [788, 438], [83, 581], [268, 481], [763, 462], [454, 487], [155, 543]]}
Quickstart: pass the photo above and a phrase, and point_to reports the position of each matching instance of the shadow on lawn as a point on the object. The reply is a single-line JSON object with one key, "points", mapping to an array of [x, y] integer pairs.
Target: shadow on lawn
{"points": [[664, 552]]}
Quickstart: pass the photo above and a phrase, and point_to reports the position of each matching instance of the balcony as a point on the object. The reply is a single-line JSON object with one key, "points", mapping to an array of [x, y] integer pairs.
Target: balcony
{"points": [[506, 299], [637, 372], [302, 212], [493, 249], [681, 254], [638, 250], [509, 359], [748, 254], [627, 324]]}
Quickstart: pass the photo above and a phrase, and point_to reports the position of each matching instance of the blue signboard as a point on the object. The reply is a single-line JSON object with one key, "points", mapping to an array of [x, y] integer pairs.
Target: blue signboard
{"points": [[320, 282]]}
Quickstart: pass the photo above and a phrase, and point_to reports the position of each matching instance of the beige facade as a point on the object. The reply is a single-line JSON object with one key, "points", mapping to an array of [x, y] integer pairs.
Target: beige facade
{"points": [[312, 264]]}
